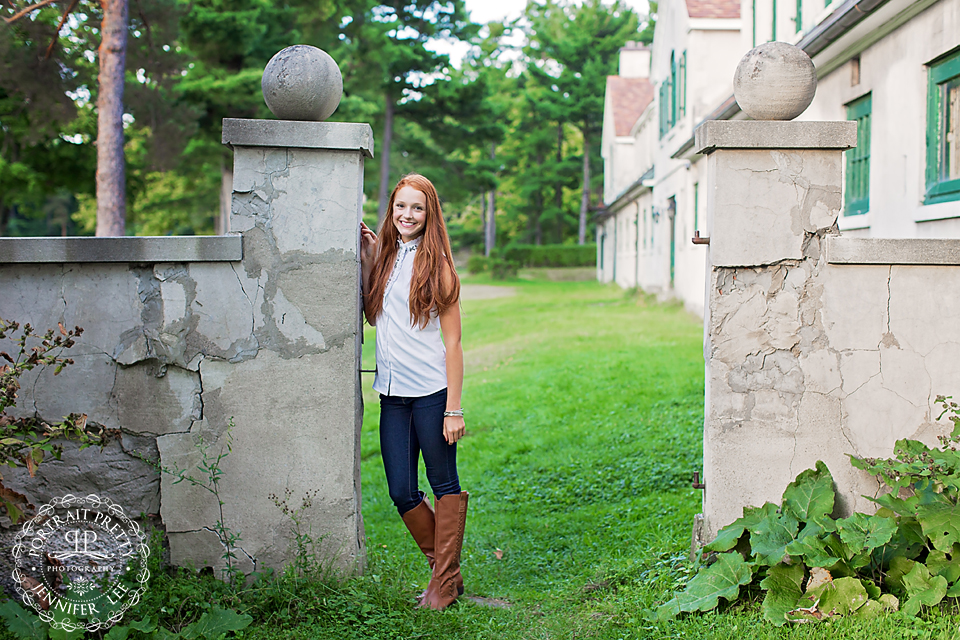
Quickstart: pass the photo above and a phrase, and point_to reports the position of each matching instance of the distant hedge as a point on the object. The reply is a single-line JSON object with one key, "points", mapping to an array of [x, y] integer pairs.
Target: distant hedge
{"points": [[551, 255]]}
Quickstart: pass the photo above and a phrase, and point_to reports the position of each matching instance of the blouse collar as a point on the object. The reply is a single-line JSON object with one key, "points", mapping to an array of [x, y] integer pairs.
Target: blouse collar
{"points": [[404, 247]]}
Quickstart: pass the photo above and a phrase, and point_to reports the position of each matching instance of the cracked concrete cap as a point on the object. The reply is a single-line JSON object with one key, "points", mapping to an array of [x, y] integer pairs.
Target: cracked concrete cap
{"points": [[775, 81], [302, 83]]}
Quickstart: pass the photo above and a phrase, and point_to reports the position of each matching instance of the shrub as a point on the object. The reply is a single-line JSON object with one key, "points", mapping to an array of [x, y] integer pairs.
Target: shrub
{"points": [[476, 264], [552, 255], [502, 269]]}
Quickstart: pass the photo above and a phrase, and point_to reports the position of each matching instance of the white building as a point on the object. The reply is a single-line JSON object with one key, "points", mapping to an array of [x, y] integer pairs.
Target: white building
{"points": [[893, 65]]}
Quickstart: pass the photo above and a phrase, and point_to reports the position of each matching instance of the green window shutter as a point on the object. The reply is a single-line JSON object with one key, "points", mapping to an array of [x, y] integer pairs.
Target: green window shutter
{"points": [[858, 159], [773, 30], [696, 207], [933, 133], [942, 175], [673, 89], [683, 83], [799, 17], [663, 108]]}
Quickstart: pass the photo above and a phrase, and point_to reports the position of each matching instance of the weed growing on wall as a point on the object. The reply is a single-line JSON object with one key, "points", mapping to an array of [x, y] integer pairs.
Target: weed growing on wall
{"points": [[309, 562], [813, 567], [25, 441], [212, 474]]}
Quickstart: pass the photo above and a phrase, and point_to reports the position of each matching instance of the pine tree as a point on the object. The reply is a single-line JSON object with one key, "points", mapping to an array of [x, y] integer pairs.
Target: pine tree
{"points": [[575, 49]]}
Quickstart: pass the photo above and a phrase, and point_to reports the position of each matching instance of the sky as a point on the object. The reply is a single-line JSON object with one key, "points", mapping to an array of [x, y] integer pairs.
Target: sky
{"points": [[484, 11]]}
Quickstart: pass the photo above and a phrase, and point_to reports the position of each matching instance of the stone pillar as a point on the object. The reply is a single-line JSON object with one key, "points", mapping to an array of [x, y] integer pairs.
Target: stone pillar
{"points": [[289, 377], [773, 193]]}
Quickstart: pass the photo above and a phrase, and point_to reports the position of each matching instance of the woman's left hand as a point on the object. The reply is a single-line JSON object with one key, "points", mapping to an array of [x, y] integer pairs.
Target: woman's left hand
{"points": [[453, 428]]}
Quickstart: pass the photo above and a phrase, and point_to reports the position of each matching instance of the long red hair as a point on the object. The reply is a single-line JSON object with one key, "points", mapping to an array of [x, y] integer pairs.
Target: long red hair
{"points": [[434, 283]]}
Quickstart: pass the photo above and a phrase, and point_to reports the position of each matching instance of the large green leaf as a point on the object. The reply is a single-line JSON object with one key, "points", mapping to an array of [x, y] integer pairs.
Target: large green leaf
{"points": [[815, 544], [215, 622], [118, 632], [922, 588], [22, 623], [771, 535], [843, 597], [907, 542], [945, 564], [722, 579], [901, 506], [864, 533], [728, 537], [941, 523], [890, 601], [782, 585], [870, 609], [873, 591], [810, 497], [899, 567]]}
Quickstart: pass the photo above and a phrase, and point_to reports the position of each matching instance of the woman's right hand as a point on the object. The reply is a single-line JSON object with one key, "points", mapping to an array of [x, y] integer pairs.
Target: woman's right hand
{"points": [[368, 245]]}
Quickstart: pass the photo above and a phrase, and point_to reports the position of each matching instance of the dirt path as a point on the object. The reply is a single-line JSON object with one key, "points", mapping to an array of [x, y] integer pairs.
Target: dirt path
{"points": [[484, 292]]}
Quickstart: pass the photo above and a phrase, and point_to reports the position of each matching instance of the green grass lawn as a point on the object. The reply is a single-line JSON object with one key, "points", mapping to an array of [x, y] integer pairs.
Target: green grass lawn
{"points": [[584, 411]]}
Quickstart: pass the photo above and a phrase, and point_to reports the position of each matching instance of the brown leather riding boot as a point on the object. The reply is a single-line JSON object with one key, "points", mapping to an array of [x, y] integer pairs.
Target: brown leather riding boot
{"points": [[445, 585], [421, 523]]}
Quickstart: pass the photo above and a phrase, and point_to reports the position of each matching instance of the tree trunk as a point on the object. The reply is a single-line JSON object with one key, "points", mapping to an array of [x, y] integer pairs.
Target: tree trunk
{"points": [[222, 227], [559, 192], [111, 178], [483, 215], [585, 199], [385, 160], [491, 227], [537, 229], [4, 218], [538, 209]]}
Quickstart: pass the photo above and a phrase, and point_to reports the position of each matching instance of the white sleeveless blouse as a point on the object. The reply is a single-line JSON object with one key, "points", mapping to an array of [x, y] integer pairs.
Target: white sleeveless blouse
{"points": [[411, 362]]}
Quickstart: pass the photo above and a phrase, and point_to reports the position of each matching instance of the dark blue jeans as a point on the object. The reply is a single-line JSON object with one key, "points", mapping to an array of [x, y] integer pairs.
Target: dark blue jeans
{"points": [[407, 427]]}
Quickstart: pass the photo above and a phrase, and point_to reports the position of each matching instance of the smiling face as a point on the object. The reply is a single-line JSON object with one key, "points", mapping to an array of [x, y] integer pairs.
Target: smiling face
{"points": [[409, 212]]}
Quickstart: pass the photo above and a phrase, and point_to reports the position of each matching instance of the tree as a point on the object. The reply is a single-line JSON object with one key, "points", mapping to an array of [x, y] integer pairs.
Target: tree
{"points": [[39, 158], [466, 115], [386, 54], [574, 49], [111, 167]]}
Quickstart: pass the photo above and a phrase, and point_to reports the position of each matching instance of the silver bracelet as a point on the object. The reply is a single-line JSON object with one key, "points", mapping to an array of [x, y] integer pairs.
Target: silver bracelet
{"points": [[455, 413]]}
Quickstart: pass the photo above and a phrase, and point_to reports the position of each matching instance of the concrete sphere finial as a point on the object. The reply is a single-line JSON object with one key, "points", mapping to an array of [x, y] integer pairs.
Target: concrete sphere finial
{"points": [[302, 83], [775, 81]]}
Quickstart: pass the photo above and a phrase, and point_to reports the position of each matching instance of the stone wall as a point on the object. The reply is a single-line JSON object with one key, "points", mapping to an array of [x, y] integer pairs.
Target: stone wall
{"points": [[817, 347], [183, 335]]}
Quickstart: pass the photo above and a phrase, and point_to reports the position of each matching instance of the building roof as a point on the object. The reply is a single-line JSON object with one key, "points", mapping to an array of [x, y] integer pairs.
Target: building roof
{"points": [[725, 9], [628, 97]]}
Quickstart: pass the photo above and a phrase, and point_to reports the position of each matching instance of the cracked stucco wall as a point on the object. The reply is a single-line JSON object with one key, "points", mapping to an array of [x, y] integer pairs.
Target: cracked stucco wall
{"points": [[172, 352], [808, 360]]}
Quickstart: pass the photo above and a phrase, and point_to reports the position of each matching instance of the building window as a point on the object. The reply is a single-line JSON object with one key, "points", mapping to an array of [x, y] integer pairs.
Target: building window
{"points": [[673, 93], [645, 230], [858, 159], [943, 131]]}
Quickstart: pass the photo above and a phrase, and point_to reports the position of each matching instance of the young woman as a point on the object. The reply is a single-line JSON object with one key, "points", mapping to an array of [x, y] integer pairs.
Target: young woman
{"points": [[411, 293]]}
